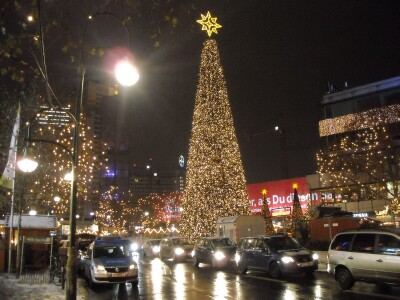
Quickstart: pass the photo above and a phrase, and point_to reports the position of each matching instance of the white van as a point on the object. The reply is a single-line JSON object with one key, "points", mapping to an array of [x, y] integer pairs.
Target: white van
{"points": [[365, 255]]}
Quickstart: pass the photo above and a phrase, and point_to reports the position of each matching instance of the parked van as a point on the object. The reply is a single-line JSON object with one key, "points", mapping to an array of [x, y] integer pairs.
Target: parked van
{"points": [[110, 261], [365, 255]]}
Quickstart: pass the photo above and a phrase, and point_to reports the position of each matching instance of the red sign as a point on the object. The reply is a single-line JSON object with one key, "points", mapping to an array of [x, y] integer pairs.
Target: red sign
{"points": [[280, 195]]}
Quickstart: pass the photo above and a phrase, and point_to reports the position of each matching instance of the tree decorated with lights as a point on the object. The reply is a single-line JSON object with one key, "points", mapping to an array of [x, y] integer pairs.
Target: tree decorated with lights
{"points": [[215, 182], [297, 216], [114, 211], [366, 161], [49, 180], [269, 227], [153, 211]]}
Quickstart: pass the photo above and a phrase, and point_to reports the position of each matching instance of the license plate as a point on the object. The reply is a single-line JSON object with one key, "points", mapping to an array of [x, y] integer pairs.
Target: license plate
{"points": [[306, 264], [116, 274]]}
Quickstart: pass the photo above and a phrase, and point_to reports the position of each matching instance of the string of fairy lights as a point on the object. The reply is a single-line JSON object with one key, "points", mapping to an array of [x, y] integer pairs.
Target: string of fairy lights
{"points": [[385, 115], [48, 182], [363, 164]]}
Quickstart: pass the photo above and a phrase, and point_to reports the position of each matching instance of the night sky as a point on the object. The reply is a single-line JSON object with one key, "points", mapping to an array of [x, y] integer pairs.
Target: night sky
{"points": [[277, 57]]}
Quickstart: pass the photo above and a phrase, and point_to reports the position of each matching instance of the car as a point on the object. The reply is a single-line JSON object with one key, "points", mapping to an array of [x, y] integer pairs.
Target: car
{"points": [[177, 248], [275, 254], [109, 261], [83, 241], [217, 251], [151, 248], [365, 255]]}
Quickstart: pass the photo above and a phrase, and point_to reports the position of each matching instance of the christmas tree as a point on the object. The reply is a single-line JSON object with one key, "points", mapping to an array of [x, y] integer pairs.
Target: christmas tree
{"points": [[215, 182], [297, 216], [269, 228]]}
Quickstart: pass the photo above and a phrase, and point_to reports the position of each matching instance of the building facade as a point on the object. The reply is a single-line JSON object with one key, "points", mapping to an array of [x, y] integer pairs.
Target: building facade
{"points": [[347, 114]]}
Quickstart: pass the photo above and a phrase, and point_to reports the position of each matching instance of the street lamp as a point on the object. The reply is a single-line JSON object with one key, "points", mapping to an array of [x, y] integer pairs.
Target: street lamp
{"points": [[127, 75]]}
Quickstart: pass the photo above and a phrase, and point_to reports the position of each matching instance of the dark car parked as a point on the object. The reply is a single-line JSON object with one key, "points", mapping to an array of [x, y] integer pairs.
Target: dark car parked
{"points": [[217, 251], [275, 254]]}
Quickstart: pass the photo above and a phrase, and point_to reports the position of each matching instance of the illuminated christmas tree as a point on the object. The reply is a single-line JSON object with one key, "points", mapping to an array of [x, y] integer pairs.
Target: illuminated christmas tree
{"points": [[215, 182], [297, 216], [269, 228]]}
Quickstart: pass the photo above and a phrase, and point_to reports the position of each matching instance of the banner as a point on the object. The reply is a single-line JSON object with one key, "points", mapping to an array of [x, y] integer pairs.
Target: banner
{"points": [[8, 176], [280, 195]]}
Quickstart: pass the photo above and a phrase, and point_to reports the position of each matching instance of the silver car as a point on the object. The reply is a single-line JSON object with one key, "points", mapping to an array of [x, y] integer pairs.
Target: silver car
{"points": [[365, 255], [177, 248]]}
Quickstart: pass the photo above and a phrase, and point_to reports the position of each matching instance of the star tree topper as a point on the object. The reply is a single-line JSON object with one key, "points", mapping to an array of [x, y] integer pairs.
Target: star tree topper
{"points": [[210, 24]]}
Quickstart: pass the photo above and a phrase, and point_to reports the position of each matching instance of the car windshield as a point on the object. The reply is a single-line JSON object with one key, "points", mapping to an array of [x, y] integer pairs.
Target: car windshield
{"points": [[82, 245], [222, 243], [181, 242], [282, 243], [110, 251]]}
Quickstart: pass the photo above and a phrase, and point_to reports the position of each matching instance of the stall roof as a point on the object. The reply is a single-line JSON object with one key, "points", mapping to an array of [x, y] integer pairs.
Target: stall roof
{"points": [[34, 222]]}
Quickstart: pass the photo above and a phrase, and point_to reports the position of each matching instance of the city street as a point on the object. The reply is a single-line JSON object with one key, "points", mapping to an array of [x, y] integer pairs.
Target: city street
{"points": [[168, 280]]}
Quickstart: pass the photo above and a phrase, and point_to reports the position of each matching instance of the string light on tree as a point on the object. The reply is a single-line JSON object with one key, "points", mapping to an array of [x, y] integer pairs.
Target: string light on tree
{"points": [[269, 227], [215, 182]]}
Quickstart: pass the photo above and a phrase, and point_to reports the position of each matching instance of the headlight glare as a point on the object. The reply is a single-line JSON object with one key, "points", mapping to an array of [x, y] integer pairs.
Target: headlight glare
{"points": [[287, 259], [179, 251], [156, 249], [131, 267], [99, 268], [237, 258], [315, 256], [219, 255], [134, 247]]}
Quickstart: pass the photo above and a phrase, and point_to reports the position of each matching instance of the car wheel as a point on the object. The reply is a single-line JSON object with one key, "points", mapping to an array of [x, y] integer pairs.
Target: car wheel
{"points": [[309, 273], [344, 278], [274, 270], [195, 261], [91, 283]]}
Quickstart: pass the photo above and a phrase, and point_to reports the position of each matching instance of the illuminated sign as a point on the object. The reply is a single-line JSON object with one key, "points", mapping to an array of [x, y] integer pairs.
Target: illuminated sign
{"points": [[360, 215], [283, 211], [181, 161]]}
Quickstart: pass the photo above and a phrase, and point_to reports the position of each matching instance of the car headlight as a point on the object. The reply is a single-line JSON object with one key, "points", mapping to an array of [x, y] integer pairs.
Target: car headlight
{"points": [[219, 255], [193, 253], [287, 259], [99, 268], [156, 249], [315, 256], [134, 247], [237, 258], [179, 251], [131, 267]]}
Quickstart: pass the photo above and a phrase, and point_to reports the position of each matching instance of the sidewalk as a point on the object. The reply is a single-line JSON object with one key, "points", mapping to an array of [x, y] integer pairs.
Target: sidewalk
{"points": [[29, 286]]}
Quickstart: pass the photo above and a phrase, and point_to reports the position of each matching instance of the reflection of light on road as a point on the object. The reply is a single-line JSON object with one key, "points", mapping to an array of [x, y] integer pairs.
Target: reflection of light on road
{"points": [[220, 286], [179, 275], [156, 277], [238, 288], [318, 292], [289, 295]]}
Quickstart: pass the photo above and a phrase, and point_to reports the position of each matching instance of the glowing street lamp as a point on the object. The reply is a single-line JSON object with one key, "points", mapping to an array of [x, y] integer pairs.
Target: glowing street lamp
{"points": [[126, 73], [27, 164]]}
